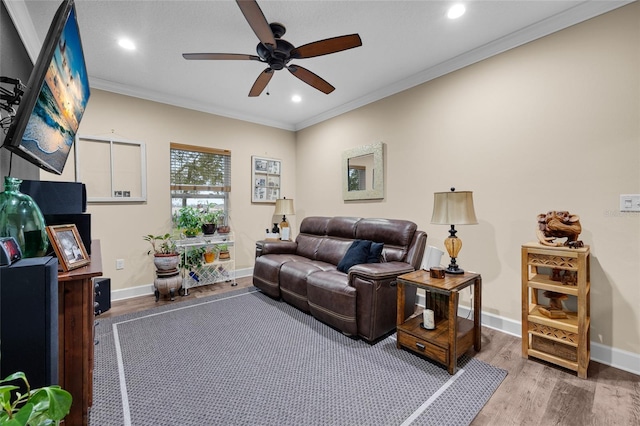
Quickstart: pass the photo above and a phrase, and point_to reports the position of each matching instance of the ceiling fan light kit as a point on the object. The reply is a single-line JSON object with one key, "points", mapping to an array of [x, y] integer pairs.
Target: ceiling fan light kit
{"points": [[277, 52]]}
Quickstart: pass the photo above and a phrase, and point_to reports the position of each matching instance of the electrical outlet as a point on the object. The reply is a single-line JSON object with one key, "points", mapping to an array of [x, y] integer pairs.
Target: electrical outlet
{"points": [[630, 202], [119, 263]]}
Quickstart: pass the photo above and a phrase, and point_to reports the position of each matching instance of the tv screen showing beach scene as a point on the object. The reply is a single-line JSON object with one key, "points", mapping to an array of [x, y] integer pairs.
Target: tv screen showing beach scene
{"points": [[47, 120]]}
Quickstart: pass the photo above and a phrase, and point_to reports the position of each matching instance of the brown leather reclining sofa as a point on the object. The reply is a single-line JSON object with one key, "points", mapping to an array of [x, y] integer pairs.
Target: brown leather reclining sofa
{"points": [[362, 302]]}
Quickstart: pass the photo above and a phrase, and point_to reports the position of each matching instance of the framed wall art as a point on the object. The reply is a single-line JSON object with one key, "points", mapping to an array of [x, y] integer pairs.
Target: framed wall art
{"points": [[68, 246], [265, 179], [113, 170]]}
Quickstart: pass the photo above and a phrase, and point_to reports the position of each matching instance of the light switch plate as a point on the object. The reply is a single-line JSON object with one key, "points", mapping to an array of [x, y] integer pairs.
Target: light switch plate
{"points": [[630, 202]]}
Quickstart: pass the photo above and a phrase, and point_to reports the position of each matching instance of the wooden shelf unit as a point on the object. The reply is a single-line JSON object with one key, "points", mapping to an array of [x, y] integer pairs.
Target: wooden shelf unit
{"points": [[562, 341]]}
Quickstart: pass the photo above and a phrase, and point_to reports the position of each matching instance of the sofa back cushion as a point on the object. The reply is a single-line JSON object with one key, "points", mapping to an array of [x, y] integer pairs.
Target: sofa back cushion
{"points": [[332, 250], [394, 233], [314, 225], [308, 245], [312, 232], [326, 238], [343, 227]]}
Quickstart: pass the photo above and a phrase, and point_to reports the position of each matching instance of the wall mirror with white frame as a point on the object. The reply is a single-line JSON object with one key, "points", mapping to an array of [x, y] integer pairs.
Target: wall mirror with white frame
{"points": [[363, 172]]}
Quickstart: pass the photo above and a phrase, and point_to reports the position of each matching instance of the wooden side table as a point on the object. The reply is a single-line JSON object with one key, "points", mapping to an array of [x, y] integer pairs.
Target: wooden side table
{"points": [[452, 335]]}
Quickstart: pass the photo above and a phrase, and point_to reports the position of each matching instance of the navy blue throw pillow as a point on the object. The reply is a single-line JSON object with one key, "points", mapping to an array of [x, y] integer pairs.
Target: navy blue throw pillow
{"points": [[357, 253], [375, 252]]}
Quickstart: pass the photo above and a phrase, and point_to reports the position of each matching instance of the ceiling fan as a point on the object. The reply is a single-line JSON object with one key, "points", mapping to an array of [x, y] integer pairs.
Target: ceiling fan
{"points": [[277, 53]]}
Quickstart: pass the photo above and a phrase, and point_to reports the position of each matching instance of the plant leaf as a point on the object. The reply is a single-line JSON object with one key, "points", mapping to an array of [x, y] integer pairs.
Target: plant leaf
{"points": [[23, 415], [53, 400], [17, 375]]}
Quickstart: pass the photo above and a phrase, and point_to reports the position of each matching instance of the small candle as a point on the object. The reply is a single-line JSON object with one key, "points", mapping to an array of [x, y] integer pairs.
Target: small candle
{"points": [[428, 319]]}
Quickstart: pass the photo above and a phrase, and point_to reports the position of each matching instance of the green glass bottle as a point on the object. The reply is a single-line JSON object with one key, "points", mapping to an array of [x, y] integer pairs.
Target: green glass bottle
{"points": [[21, 218]]}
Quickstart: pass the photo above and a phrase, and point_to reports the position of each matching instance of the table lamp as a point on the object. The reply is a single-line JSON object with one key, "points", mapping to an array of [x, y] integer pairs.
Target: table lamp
{"points": [[453, 208], [284, 206]]}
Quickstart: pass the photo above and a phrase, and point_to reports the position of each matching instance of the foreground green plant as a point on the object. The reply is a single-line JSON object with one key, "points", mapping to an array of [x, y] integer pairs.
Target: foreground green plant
{"points": [[42, 406]]}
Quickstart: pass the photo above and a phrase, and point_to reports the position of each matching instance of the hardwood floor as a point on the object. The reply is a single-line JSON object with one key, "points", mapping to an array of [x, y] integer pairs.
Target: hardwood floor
{"points": [[533, 393], [142, 303]]}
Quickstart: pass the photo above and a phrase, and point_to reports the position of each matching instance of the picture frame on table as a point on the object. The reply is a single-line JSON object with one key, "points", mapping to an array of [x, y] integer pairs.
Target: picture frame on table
{"points": [[9, 251], [67, 244]]}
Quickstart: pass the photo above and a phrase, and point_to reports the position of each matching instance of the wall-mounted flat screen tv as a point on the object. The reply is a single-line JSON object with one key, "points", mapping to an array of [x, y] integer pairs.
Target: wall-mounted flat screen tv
{"points": [[47, 119]]}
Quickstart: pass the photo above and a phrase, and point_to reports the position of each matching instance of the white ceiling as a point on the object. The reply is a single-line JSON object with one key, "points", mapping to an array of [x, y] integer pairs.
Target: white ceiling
{"points": [[405, 43]]}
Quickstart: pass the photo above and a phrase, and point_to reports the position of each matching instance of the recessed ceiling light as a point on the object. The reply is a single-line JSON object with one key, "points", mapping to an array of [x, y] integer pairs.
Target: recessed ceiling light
{"points": [[125, 43], [296, 98], [456, 11]]}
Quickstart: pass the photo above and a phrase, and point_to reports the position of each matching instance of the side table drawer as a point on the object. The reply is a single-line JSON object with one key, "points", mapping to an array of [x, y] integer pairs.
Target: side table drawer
{"points": [[423, 347]]}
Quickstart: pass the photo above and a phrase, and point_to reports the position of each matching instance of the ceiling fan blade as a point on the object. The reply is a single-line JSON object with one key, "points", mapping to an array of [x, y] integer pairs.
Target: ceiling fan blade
{"points": [[324, 47], [258, 23], [261, 82], [311, 79], [220, 56]]}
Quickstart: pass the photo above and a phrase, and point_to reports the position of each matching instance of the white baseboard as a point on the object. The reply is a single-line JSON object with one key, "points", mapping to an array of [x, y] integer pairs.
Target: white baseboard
{"points": [[618, 358], [147, 289]]}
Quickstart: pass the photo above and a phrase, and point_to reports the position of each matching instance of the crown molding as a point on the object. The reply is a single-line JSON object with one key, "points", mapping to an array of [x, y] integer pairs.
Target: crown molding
{"points": [[27, 32], [580, 13], [154, 96]]}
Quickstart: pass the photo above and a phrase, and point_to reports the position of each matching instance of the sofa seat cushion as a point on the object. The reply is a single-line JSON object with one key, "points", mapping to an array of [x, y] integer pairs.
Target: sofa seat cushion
{"points": [[293, 280], [332, 300]]}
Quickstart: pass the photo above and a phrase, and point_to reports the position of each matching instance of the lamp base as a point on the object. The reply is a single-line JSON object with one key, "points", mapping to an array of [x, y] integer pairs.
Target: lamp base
{"points": [[455, 270], [453, 245], [285, 231]]}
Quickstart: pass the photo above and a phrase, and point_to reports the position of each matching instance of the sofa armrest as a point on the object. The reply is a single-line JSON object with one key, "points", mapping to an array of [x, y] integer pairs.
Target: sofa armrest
{"points": [[279, 247], [379, 271]]}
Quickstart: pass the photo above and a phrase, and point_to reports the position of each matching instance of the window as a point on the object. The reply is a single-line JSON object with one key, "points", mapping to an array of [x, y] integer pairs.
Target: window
{"points": [[200, 176]]}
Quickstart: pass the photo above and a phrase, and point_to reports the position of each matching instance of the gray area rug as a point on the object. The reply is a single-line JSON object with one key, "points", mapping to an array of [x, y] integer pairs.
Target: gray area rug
{"points": [[244, 359]]}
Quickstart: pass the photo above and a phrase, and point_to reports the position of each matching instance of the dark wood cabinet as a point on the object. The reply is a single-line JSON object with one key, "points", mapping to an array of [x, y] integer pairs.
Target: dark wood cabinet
{"points": [[76, 335]]}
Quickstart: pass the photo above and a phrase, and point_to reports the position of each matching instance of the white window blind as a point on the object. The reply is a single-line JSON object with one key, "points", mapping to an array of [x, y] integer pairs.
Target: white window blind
{"points": [[199, 176]]}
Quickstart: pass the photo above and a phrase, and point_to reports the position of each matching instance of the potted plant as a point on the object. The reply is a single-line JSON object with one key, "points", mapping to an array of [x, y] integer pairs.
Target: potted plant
{"points": [[165, 253], [223, 251], [43, 406], [209, 219], [210, 254], [193, 259], [223, 227], [188, 218]]}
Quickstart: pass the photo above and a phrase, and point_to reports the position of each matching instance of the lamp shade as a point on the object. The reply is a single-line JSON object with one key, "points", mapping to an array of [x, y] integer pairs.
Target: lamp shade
{"points": [[284, 206], [453, 208]]}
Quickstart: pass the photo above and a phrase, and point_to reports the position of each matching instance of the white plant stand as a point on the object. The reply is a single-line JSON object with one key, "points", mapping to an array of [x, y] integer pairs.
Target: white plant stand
{"points": [[220, 270]]}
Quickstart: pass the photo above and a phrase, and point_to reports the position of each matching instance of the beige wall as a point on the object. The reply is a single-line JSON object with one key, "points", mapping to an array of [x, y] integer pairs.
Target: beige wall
{"points": [[120, 227], [552, 125]]}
